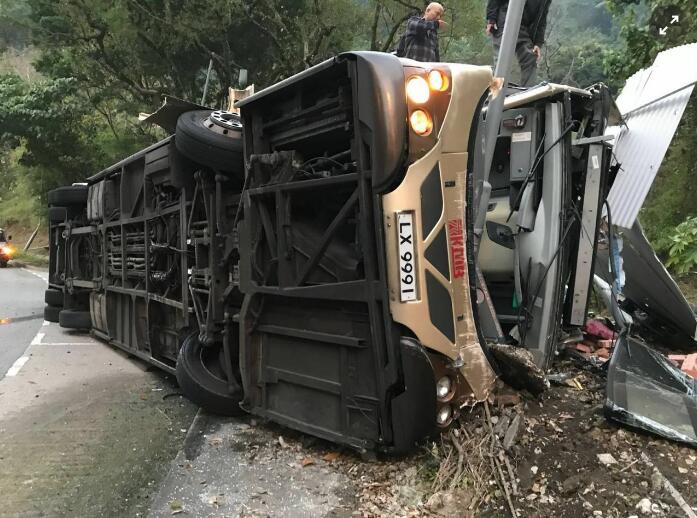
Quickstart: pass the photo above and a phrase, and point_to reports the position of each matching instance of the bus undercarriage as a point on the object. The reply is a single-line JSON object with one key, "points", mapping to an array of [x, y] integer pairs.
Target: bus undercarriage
{"points": [[314, 263]]}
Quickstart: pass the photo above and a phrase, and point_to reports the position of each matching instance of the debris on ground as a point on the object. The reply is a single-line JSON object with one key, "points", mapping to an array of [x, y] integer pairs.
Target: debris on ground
{"points": [[518, 368], [597, 343]]}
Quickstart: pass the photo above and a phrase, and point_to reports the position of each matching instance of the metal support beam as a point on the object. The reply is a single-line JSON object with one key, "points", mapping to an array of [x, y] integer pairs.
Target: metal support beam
{"points": [[494, 110]]}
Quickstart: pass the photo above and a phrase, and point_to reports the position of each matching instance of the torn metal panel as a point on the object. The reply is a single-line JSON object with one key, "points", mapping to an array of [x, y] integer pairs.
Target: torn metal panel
{"points": [[651, 289], [646, 391], [166, 115], [540, 92], [652, 103]]}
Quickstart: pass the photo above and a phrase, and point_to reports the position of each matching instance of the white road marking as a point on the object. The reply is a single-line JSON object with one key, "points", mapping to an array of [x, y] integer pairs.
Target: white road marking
{"points": [[66, 343], [42, 276], [17, 365], [37, 339]]}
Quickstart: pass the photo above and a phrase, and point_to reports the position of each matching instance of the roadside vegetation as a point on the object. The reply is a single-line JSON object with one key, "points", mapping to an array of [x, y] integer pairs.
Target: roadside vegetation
{"points": [[75, 75]]}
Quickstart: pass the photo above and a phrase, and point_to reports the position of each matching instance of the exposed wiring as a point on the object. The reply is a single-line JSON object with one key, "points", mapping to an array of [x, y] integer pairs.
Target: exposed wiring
{"points": [[532, 170]]}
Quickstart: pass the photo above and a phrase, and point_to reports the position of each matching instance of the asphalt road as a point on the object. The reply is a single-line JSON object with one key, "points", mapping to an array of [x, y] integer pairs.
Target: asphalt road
{"points": [[21, 312], [87, 431]]}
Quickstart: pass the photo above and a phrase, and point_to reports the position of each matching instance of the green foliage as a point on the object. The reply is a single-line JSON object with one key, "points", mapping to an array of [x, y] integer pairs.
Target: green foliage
{"points": [[578, 36], [55, 125], [18, 204], [682, 247]]}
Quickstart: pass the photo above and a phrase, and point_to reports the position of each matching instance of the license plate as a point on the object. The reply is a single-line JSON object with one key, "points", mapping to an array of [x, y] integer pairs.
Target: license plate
{"points": [[407, 261]]}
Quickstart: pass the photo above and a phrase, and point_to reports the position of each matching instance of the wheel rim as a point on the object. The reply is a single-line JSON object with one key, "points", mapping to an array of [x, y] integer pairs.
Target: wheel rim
{"points": [[224, 123]]}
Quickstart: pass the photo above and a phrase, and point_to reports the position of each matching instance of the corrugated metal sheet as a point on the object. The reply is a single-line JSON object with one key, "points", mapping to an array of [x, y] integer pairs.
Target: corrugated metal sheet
{"points": [[641, 145]]}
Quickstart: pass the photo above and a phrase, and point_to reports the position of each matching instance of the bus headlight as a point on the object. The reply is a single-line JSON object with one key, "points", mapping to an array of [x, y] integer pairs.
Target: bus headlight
{"points": [[421, 122], [444, 415], [418, 90], [438, 81], [444, 387]]}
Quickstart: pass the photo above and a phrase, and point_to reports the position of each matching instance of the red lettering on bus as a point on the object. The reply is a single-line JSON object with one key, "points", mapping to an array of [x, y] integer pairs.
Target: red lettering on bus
{"points": [[457, 247]]}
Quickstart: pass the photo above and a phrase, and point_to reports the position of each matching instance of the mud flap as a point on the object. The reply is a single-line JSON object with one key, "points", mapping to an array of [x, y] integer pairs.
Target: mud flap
{"points": [[418, 398], [647, 392]]}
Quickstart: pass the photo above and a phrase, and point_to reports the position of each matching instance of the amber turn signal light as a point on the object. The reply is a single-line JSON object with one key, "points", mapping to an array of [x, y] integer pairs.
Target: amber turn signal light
{"points": [[438, 81]]}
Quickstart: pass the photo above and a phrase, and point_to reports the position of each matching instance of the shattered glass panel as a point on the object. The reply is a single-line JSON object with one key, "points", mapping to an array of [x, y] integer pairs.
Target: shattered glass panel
{"points": [[647, 391]]}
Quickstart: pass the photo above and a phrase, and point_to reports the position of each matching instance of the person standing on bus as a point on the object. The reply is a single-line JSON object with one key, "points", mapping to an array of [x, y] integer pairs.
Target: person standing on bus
{"points": [[531, 36], [420, 39]]}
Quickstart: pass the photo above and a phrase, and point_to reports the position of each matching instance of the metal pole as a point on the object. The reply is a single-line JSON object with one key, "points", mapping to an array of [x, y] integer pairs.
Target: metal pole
{"points": [[494, 110], [205, 87]]}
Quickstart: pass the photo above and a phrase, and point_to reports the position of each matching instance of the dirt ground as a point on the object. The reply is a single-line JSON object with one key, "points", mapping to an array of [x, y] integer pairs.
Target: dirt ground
{"points": [[556, 460], [560, 472]]}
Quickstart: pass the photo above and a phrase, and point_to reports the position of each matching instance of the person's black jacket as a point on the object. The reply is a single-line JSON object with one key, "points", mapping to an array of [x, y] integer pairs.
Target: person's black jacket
{"points": [[533, 24]]}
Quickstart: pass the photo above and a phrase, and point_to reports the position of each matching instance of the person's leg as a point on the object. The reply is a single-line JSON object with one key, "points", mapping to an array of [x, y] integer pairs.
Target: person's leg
{"points": [[528, 63], [496, 40]]}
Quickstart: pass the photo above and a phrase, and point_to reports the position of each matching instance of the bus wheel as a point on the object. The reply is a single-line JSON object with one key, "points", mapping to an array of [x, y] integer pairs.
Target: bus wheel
{"points": [[51, 313], [53, 297], [68, 196], [202, 378], [213, 139], [74, 319]]}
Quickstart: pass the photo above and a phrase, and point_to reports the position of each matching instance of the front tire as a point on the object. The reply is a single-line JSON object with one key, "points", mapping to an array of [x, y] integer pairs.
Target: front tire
{"points": [[202, 379], [213, 139]]}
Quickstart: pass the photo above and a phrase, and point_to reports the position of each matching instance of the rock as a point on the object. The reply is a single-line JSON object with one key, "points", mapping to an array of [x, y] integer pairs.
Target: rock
{"points": [[606, 459], [409, 495], [509, 399], [656, 481], [502, 426], [410, 473], [451, 503], [511, 436], [572, 484], [644, 506]]}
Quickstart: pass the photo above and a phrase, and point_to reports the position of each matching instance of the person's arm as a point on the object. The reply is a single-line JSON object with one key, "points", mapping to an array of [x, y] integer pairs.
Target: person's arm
{"points": [[492, 15], [419, 26], [492, 11]]}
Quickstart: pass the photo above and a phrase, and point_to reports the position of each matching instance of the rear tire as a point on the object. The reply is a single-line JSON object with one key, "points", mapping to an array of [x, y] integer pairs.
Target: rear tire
{"points": [[53, 297], [57, 214], [73, 319], [51, 313], [201, 378], [68, 196], [207, 142]]}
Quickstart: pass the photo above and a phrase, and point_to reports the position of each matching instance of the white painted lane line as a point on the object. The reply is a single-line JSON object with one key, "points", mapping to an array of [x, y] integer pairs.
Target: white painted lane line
{"points": [[17, 365], [37, 339], [67, 343], [42, 276]]}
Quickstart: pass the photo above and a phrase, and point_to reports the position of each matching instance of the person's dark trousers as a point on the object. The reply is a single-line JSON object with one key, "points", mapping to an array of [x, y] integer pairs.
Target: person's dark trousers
{"points": [[526, 59]]}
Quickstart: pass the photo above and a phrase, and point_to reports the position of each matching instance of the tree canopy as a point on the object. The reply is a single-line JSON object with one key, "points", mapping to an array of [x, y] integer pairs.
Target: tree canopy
{"points": [[74, 74]]}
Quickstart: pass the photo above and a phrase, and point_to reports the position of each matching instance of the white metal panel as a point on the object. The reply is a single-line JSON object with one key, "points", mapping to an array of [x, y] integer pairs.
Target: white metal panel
{"points": [[652, 103]]}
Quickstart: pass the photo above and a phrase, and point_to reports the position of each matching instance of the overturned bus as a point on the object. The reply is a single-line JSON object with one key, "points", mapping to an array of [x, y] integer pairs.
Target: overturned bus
{"points": [[314, 261]]}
